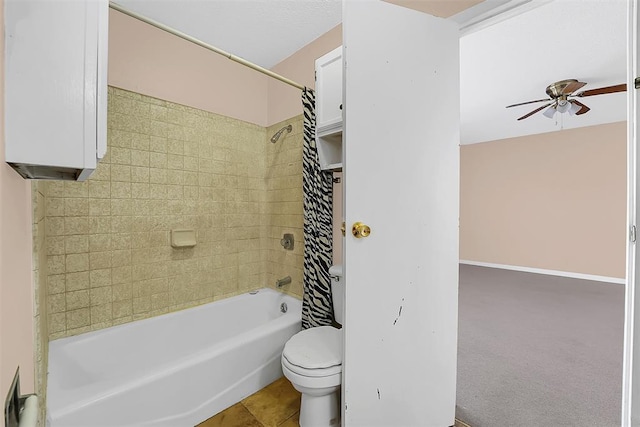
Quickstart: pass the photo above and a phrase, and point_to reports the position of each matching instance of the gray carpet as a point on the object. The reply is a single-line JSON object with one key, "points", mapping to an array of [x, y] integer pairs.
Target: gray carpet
{"points": [[538, 351]]}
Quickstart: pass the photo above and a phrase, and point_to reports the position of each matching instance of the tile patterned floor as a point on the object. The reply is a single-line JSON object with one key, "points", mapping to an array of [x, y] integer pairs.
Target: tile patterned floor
{"points": [[276, 405]]}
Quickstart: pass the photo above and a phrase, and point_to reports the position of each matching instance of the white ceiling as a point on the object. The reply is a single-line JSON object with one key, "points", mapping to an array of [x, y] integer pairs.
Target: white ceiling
{"points": [[509, 62]]}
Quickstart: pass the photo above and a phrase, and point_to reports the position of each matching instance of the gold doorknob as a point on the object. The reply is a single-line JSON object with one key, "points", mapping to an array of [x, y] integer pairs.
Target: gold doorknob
{"points": [[360, 230]]}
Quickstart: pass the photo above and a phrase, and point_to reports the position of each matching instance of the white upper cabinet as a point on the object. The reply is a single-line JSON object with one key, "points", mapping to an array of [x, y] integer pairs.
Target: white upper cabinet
{"points": [[329, 109], [55, 87], [329, 91]]}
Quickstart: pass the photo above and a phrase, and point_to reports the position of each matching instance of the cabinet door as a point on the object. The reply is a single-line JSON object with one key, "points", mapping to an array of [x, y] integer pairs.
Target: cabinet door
{"points": [[329, 91], [401, 174], [55, 86]]}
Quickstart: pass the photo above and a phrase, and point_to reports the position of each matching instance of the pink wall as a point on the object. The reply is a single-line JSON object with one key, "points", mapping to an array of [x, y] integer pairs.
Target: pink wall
{"points": [[284, 100], [553, 201], [152, 62], [16, 289], [146, 60]]}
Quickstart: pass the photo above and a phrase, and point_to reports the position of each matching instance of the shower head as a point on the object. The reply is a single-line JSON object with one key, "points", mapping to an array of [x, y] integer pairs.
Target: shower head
{"points": [[276, 136]]}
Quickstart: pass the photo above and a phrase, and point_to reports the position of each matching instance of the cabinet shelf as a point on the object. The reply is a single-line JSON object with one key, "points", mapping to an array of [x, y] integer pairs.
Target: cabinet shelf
{"points": [[329, 128], [334, 167], [330, 150]]}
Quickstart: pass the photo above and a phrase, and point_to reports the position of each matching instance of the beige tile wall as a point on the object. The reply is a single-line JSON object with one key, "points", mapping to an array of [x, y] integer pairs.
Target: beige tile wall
{"points": [[169, 166], [41, 335]]}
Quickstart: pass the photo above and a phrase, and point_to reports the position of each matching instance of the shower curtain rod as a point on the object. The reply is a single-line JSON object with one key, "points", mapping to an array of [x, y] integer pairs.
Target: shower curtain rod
{"points": [[200, 43]]}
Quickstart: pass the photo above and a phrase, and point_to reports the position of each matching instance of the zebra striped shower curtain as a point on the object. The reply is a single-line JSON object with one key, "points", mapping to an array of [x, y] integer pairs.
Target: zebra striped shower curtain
{"points": [[317, 308]]}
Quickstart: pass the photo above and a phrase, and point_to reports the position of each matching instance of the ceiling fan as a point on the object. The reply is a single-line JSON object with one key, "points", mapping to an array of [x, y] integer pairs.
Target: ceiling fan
{"points": [[562, 96]]}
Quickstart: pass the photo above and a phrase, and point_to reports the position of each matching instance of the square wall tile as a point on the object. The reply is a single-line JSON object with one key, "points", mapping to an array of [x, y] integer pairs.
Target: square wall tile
{"points": [[78, 318], [77, 299], [76, 262], [77, 281]]}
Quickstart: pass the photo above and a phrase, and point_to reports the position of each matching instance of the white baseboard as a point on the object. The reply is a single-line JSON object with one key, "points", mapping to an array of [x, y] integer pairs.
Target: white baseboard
{"points": [[607, 279]]}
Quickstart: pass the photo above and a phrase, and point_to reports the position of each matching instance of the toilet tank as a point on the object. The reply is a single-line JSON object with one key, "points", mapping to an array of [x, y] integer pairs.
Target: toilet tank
{"points": [[337, 292]]}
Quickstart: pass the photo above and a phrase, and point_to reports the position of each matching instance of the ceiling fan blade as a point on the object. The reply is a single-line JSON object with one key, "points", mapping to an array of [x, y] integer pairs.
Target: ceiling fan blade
{"points": [[603, 90], [529, 102], [572, 87], [535, 111], [583, 108]]}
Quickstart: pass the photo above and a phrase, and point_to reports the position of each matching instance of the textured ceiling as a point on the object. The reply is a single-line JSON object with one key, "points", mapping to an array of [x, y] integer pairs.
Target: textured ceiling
{"points": [[262, 31]]}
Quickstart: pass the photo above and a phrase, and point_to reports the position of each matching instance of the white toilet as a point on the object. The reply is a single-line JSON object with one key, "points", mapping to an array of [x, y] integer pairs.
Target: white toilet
{"points": [[312, 361]]}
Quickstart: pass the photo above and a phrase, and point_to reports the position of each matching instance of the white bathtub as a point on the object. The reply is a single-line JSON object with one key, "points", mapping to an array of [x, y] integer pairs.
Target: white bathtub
{"points": [[172, 370]]}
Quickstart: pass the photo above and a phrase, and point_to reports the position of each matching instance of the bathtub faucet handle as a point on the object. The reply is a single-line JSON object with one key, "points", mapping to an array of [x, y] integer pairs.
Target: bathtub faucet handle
{"points": [[287, 241], [284, 281]]}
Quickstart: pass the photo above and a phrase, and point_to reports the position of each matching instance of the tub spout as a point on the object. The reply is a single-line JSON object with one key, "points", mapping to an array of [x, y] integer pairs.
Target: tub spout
{"points": [[285, 281]]}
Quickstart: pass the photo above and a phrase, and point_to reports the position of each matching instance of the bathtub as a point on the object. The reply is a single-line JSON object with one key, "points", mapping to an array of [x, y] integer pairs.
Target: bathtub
{"points": [[172, 370]]}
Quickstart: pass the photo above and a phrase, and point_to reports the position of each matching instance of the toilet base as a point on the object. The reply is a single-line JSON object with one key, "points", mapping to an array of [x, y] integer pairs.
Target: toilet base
{"points": [[320, 411]]}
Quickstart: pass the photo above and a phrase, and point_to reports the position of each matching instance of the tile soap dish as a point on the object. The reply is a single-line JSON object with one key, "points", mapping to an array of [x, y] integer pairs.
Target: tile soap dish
{"points": [[183, 238]]}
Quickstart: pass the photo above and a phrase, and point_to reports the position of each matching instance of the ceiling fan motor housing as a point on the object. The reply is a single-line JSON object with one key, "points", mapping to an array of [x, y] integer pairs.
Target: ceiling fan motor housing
{"points": [[563, 88]]}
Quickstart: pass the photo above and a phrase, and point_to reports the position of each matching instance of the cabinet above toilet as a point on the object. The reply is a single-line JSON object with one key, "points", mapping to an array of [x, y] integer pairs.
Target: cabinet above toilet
{"points": [[329, 109]]}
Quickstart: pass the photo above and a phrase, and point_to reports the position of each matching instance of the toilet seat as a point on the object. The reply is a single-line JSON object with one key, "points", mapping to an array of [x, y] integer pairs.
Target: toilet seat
{"points": [[314, 352], [312, 373]]}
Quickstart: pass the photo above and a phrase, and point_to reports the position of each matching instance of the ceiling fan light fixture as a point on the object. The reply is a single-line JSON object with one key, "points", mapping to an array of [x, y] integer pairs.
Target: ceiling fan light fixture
{"points": [[549, 112], [563, 106]]}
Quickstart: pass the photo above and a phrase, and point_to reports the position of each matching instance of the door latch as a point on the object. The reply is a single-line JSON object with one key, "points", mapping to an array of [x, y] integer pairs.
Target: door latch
{"points": [[632, 234], [360, 230]]}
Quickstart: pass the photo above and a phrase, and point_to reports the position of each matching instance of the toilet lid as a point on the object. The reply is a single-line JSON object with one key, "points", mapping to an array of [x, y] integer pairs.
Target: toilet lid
{"points": [[315, 348]]}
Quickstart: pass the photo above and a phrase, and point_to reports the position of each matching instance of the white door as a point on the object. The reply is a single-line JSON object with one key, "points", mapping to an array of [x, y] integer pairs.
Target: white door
{"points": [[401, 164], [631, 366]]}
